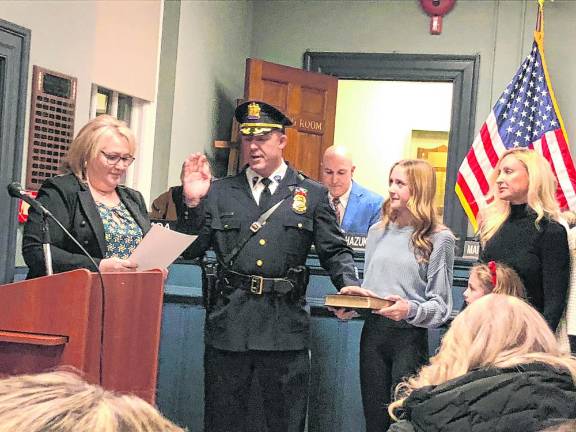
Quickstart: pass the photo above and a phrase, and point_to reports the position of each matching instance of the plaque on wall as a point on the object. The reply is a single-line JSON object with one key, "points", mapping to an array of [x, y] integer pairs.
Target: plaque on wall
{"points": [[52, 113]]}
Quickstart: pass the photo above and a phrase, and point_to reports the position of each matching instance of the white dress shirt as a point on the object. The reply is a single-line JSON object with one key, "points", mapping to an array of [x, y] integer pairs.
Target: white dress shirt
{"points": [[257, 186]]}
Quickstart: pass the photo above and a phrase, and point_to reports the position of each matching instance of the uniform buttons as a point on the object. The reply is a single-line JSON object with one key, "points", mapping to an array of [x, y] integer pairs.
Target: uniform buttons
{"points": [[262, 242], [86, 242], [299, 225], [83, 223], [226, 226], [259, 263]]}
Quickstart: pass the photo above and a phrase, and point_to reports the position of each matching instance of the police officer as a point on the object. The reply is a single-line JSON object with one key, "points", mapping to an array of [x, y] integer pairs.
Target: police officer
{"points": [[261, 224]]}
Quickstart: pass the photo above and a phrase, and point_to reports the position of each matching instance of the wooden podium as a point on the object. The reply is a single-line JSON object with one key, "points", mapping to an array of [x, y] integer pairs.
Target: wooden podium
{"points": [[112, 335]]}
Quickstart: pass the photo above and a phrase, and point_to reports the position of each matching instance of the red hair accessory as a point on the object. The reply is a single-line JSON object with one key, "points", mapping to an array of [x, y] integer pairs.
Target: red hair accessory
{"points": [[492, 267]]}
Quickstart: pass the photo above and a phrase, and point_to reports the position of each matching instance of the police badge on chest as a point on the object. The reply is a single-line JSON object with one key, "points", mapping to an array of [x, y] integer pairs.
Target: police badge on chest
{"points": [[299, 200]]}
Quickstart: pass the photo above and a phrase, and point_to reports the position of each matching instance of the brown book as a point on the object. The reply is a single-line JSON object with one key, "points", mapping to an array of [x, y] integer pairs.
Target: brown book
{"points": [[356, 302]]}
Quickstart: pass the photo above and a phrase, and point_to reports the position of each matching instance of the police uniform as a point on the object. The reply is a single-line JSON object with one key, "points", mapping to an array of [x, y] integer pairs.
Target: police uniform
{"points": [[258, 320]]}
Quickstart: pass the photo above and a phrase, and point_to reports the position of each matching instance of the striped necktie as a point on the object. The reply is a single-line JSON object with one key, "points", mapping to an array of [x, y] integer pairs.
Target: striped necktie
{"points": [[336, 204]]}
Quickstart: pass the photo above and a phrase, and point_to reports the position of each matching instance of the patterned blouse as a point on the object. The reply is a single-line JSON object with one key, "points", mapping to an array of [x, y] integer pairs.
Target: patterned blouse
{"points": [[120, 229]]}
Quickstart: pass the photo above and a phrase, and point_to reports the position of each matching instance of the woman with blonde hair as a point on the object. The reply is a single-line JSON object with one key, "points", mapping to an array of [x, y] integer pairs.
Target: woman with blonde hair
{"points": [[520, 228], [499, 367], [494, 278], [62, 402], [409, 260], [106, 217]]}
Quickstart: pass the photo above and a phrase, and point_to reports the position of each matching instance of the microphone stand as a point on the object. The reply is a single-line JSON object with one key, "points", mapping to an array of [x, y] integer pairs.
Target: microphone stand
{"points": [[46, 245], [15, 190]]}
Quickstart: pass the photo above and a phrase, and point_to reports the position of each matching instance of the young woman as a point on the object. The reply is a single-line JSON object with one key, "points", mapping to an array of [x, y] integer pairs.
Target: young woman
{"points": [[409, 260], [494, 278], [499, 368], [520, 228]]}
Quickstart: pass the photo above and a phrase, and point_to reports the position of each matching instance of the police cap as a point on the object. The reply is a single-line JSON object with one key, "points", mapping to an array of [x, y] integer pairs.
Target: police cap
{"points": [[259, 118]]}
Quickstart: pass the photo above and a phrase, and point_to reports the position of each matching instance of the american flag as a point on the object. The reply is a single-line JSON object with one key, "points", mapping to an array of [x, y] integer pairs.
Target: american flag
{"points": [[525, 115]]}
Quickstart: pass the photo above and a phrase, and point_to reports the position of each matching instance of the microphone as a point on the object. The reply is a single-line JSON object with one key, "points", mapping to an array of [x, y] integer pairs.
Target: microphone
{"points": [[16, 190]]}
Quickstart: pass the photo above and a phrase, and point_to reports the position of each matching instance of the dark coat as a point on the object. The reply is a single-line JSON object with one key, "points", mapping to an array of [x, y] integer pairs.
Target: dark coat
{"points": [[539, 254], [243, 321], [525, 398], [71, 202]]}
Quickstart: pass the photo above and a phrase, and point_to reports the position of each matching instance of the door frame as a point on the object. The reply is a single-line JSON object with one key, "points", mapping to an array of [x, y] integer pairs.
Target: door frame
{"points": [[461, 70], [15, 53]]}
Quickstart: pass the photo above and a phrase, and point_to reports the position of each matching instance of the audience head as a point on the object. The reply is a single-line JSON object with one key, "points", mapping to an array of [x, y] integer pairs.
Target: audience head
{"points": [[569, 217], [412, 187], [498, 331], [102, 152], [63, 402], [521, 176], [563, 425], [493, 277], [337, 170]]}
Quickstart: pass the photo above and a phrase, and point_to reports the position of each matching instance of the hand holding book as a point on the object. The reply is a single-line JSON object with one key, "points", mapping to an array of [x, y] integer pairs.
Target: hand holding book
{"points": [[353, 299]]}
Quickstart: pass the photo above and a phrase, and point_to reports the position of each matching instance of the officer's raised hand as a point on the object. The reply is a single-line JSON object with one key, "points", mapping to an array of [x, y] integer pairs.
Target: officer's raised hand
{"points": [[195, 177]]}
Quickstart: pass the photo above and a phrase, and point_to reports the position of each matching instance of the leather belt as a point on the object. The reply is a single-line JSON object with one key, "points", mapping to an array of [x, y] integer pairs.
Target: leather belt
{"points": [[256, 285]]}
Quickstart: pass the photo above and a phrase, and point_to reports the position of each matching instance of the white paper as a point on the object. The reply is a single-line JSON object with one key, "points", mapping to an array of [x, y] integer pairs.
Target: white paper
{"points": [[159, 248]]}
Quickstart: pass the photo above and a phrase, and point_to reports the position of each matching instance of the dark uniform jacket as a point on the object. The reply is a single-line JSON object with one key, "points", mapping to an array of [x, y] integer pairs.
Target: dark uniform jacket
{"points": [[241, 320], [71, 202], [525, 398]]}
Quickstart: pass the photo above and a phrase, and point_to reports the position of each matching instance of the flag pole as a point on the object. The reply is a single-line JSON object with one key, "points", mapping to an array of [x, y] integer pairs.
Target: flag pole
{"points": [[539, 38]]}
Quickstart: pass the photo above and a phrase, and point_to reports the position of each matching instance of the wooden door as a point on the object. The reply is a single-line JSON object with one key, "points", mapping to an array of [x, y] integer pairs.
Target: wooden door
{"points": [[308, 98]]}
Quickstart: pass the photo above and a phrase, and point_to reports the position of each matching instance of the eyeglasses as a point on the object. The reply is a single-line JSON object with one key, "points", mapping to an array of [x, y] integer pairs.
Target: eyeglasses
{"points": [[113, 159]]}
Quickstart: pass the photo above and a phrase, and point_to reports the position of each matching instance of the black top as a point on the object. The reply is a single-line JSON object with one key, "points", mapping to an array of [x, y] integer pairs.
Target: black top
{"points": [[71, 202], [523, 398], [540, 256], [239, 320]]}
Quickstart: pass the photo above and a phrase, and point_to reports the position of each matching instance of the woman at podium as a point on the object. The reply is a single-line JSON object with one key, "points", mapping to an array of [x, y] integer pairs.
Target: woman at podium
{"points": [[105, 217]]}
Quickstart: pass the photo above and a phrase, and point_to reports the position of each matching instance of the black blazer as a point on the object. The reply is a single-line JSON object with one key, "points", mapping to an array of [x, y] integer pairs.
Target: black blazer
{"points": [[71, 202], [244, 321]]}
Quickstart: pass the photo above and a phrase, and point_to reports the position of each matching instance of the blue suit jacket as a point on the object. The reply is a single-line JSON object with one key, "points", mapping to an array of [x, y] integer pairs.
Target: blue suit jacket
{"points": [[362, 211]]}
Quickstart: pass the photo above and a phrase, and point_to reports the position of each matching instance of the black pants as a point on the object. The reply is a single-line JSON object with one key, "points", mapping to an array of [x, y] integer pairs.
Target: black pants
{"points": [[283, 377], [389, 351]]}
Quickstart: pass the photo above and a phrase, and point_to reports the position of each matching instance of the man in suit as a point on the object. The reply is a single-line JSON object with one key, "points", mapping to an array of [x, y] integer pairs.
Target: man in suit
{"points": [[356, 207], [257, 318]]}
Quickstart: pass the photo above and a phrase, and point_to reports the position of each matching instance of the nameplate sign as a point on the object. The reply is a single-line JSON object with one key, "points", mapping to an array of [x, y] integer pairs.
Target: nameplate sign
{"points": [[471, 249], [355, 241], [304, 124]]}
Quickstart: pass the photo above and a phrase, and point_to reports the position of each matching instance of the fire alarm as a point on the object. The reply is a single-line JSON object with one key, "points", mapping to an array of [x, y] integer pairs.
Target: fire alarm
{"points": [[436, 9]]}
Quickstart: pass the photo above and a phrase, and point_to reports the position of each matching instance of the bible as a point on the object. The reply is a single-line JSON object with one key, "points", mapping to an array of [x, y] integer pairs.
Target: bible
{"points": [[356, 302]]}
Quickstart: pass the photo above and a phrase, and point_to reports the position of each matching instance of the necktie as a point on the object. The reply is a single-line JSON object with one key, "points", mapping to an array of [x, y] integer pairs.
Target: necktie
{"points": [[336, 204], [266, 195]]}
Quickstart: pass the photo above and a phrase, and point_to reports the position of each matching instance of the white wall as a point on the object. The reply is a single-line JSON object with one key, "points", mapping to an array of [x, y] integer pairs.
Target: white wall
{"points": [[499, 30], [112, 43], [213, 43]]}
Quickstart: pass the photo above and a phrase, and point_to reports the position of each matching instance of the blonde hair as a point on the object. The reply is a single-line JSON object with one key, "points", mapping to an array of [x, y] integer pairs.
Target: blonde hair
{"points": [[86, 145], [422, 184], [569, 217], [498, 331], [507, 280], [62, 402], [541, 193]]}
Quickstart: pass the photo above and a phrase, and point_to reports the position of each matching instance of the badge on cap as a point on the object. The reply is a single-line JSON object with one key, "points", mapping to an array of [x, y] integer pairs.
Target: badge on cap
{"points": [[253, 111], [299, 201]]}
